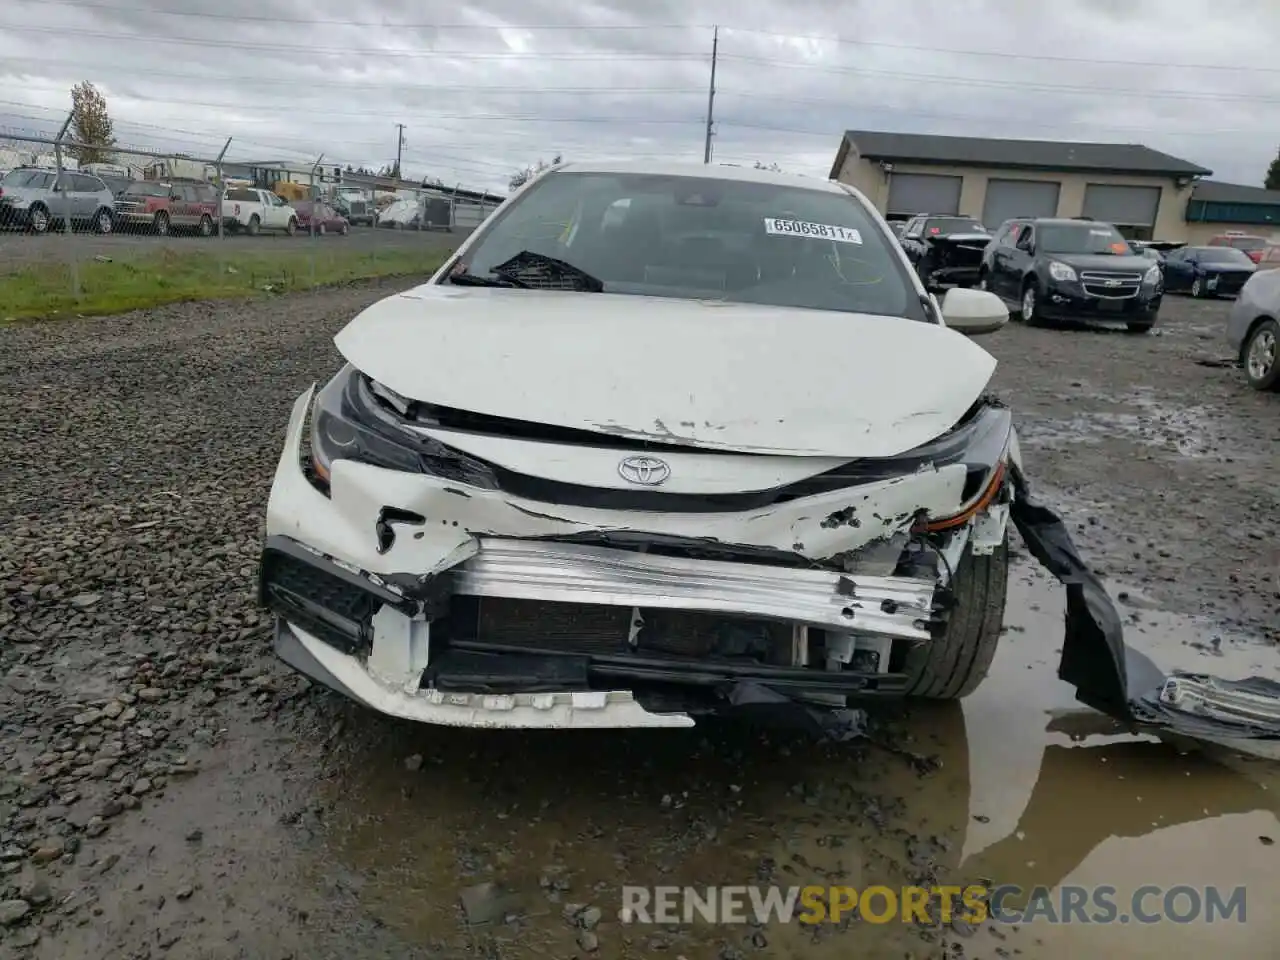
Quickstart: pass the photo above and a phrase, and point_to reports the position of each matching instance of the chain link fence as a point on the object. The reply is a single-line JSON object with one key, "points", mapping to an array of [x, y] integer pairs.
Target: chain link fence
{"points": [[90, 230]]}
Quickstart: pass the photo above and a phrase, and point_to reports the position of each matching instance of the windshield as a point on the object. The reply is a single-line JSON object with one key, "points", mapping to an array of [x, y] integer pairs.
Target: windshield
{"points": [[692, 237], [1247, 243], [944, 228], [147, 190], [1099, 238], [26, 178], [1224, 255]]}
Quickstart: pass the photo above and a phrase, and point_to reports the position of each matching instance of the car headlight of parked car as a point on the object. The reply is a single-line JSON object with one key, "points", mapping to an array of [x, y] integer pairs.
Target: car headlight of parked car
{"points": [[1061, 272], [1152, 276], [355, 418]]}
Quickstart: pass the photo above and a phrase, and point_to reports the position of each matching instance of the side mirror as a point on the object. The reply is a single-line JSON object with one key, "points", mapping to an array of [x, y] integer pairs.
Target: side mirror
{"points": [[973, 311]]}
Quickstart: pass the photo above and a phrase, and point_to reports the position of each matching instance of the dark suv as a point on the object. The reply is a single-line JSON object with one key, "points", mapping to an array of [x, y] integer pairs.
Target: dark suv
{"points": [[1071, 269]]}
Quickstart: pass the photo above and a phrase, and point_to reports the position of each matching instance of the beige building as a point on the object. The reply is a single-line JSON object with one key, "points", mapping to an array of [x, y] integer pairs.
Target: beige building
{"points": [[1145, 193]]}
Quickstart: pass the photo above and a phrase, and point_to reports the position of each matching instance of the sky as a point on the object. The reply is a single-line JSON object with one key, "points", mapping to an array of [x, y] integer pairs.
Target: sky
{"points": [[485, 87]]}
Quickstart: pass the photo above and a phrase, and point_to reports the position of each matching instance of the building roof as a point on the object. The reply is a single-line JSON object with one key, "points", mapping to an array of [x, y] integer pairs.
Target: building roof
{"points": [[1124, 158], [1215, 191]]}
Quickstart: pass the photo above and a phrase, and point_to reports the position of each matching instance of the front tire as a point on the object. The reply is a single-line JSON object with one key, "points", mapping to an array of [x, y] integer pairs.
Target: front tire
{"points": [[1197, 288], [291, 227], [953, 664], [161, 224], [1029, 306], [1261, 356]]}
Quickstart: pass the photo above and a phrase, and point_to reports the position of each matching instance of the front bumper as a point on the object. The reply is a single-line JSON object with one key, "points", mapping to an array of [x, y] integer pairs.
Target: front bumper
{"points": [[1069, 301], [447, 621]]}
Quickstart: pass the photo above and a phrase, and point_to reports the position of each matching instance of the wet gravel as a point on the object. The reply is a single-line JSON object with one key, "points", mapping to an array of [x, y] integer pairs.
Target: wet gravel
{"points": [[168, 789]]}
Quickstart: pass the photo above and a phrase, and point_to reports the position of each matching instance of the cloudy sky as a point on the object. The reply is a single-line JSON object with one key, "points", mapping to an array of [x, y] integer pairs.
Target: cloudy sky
{"points": [[486, 86]]}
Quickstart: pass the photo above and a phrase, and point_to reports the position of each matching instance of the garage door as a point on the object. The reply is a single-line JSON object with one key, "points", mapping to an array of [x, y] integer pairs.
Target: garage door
{"points": [[1007, 199], [1122, 206], [912, 193]]}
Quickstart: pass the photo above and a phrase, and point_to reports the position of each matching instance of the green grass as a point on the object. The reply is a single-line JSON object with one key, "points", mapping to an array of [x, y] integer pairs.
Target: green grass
{"points": [[45, 291]]}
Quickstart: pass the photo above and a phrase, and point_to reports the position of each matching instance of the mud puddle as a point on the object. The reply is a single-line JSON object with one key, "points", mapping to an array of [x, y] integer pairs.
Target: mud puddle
{"points": [[1032, 789], [1187, 431]]}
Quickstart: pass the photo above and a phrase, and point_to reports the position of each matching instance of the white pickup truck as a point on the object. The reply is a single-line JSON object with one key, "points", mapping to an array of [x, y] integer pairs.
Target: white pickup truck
{"points": [[253, 210]]}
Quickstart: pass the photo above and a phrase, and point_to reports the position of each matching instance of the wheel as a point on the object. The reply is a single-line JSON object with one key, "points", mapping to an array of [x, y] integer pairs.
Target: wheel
{"points": [[1197, 287], [39, 217], [206, 226], [1136, 326], [1030, 306], [291, 227], [321, 230], [161, 224], [1262, 356], [103, 221], [254, 226], [955, 662], [345, 229]]}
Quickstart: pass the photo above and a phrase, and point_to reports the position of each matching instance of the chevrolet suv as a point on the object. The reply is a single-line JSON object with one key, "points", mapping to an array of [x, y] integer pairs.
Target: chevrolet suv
{"points": [[1050, 269]]}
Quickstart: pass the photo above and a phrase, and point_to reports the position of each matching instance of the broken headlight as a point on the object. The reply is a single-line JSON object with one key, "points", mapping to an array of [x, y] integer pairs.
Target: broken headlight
{"points": [[354, 419]]}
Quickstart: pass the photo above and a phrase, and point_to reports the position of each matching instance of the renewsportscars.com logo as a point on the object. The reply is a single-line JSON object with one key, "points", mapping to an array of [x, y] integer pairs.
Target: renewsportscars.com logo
{"points": [[974, 904]]}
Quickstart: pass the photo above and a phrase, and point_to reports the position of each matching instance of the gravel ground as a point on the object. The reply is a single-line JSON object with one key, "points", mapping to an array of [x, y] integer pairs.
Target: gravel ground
{"points": [[19, 249], [167, 789]]}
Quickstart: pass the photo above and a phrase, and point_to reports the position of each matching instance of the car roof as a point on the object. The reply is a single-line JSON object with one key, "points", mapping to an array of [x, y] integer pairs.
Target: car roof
{"points": [[712, 171]]}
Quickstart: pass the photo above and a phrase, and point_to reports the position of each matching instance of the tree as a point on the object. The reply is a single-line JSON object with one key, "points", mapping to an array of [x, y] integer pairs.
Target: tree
{"points": [[525, 174], [90, 124], [1273, 174]]}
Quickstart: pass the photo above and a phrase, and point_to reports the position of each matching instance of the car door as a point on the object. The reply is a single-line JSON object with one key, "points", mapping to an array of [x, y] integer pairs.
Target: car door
{"points": [[1003, 252], [88, 195], [911, 235], [1176, 271], [183, 207]]}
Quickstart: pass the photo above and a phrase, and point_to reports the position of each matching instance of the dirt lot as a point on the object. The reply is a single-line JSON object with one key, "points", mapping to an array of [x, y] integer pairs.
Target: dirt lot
{"points": [[19, 249], [167, 790]]}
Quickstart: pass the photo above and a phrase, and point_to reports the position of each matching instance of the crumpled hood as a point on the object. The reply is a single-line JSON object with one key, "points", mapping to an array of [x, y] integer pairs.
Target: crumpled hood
{"points": [[747, 378]]}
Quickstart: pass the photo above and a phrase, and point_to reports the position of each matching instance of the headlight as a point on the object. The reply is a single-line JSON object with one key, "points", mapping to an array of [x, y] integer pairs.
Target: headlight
{"points": [[356, 419], [1152, 277], [1061, 272]]}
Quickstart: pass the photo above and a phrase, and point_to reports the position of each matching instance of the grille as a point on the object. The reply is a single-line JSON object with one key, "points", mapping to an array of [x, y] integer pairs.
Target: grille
{"points": [[1111, 285], [334, 610], [582, 628]]}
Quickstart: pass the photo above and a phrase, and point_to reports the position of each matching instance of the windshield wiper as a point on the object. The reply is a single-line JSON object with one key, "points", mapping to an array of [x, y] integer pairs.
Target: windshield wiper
{"points": [[475, 280], [540, 265]]}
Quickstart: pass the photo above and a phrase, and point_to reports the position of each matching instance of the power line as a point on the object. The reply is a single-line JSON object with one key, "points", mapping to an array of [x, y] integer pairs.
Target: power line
{"points": [[965, 52], [381, 24], [348, 52], [1022, 85]]}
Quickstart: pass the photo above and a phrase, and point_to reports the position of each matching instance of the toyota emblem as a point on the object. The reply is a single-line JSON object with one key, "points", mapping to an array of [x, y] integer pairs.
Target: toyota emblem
{"points": [[646, 471]]}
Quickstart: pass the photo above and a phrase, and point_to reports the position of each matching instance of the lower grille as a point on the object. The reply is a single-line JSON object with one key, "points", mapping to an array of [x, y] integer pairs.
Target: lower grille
{"points": [[584, 628]]}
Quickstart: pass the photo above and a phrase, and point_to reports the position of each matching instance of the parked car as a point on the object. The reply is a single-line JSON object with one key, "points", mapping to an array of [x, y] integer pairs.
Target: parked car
{"points": [[945, 250], [1253, 329], [1207, 271], [161, 207], [319, 217], [1247, 243], [455, 537], [1270, 258], [253, 210], [421, 213], [41, 200], [1050, 269]]}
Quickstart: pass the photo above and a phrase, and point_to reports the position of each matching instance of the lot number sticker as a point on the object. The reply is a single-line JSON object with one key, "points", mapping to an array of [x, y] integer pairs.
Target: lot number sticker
{"points": [[818, 231]]}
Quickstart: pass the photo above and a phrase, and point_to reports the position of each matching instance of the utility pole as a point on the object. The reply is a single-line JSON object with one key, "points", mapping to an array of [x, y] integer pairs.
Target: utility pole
{"points": [[399, 145], [711, 94]]}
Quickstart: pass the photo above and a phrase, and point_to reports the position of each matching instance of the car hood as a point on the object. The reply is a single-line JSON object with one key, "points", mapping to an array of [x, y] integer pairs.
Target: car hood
{"points": [[746, 378], [1103, 261]]}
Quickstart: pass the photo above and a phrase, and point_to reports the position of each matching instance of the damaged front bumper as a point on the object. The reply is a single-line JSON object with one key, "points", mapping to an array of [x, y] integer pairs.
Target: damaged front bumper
{"points": [[438, 607]]}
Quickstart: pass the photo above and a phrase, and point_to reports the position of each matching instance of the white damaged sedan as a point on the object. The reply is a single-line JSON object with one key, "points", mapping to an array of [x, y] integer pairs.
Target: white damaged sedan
{"points": [[657, 441]]}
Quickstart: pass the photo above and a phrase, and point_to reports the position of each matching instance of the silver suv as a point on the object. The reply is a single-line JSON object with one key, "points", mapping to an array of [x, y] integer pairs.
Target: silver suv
{"points": [[41, 199]]}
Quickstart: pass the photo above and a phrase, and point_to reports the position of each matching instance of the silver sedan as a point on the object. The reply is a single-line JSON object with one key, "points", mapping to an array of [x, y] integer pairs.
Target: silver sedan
{"points": [[1253, 330]]}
